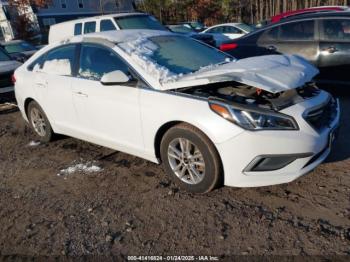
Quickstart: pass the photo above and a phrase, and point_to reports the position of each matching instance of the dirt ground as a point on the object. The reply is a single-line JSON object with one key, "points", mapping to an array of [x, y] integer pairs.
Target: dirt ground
{"points": [[131, 208]]}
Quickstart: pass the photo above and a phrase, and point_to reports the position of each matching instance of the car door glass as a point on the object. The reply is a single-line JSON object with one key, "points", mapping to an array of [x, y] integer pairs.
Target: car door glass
{"points": [[58, 61], [270, 35], [336, 30], [231, 30], [304, 30], [217, 30], [107, 25], [78, 29], [89, 27], [95, 61]]}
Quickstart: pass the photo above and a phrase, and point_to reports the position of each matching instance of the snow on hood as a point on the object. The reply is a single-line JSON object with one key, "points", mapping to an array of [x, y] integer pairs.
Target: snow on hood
{"points": [[7, 66], [273, 73]]}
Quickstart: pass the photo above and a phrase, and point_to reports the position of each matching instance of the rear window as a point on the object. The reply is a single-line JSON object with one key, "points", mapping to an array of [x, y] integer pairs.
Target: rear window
{"points": [[78, 29], [89, 27], [336, 30], [139, 22], [304, 30]]}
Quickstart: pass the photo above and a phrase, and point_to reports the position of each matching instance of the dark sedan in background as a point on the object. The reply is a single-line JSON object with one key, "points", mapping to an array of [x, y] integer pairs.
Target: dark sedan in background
{"points": [[19, 49], [323, 39]]}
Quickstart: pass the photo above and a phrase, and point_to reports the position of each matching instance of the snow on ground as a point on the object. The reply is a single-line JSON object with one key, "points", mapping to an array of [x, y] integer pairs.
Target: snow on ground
{"points": [[80, 167], [34, 143]]}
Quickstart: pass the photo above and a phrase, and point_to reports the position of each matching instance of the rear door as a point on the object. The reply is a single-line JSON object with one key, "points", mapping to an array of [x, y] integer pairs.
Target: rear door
{"points": [[334, 59], [300, 37], [52, 80]]}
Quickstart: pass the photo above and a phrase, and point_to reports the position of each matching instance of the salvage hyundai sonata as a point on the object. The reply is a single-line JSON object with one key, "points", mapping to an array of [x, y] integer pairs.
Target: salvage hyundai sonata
{"points": [[208, 118]]}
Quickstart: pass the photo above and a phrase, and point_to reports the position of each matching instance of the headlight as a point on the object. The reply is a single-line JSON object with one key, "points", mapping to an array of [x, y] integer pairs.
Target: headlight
{"points": [[254, 119]]}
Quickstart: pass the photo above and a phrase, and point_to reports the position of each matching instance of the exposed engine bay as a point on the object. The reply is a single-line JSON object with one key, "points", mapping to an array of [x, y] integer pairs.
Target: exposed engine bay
{"points": [[237, 93]]}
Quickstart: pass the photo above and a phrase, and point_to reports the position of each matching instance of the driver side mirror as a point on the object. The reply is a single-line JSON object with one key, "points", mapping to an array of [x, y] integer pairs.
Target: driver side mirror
{"points": [[115, 78]]}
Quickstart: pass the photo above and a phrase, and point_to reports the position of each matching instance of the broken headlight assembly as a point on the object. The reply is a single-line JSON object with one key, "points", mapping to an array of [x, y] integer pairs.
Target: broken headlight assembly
{"points": [[252, 119]]}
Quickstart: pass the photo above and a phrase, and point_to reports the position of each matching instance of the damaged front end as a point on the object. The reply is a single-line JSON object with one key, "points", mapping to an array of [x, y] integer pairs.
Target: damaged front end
{"points": [[250, 107]]}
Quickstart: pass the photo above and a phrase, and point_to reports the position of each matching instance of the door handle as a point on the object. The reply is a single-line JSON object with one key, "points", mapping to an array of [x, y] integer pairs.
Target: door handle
{"points": [[81, 94], [330, 49]]}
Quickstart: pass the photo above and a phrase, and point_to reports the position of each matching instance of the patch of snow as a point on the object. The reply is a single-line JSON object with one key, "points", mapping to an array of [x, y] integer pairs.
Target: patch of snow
{"points": [[34, 143], [140, 52], [88, 168], [55, 67]]}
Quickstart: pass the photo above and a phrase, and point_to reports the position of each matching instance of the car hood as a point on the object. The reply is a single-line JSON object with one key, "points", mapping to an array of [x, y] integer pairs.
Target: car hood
{"points": [[273, 73], [7, 66]]}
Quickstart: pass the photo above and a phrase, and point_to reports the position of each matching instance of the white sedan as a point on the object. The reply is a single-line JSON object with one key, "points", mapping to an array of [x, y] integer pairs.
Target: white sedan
{"points": [[229, 31], [210, 119]]}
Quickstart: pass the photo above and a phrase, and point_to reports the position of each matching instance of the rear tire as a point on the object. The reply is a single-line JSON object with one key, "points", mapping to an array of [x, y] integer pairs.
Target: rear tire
{"points": [[190, 159], [39, 122]]}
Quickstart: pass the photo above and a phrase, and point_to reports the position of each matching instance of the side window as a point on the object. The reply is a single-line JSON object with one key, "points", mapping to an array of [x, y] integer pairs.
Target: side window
{"points": [[95, 61], [89, 27], [37, 64], [59, 61], [270, 35], [78, 29], [107, 25], [337, 29], [231, 30], [304, 30], [216, 30]]}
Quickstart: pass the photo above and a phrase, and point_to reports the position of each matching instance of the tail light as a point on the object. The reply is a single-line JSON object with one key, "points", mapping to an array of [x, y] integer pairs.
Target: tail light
{"points": [[13, 79], [228, 47]]}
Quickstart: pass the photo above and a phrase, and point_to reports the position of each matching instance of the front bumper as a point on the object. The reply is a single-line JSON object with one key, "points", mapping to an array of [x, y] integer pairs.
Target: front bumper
{"points": [[312, 148]]}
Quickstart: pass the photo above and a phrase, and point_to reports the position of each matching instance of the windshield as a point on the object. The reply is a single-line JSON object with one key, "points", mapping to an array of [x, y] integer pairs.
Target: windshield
{"points": [[168, 57], [182, 55], [139, 22], [4, 56], [246, 28], [19, 47]]}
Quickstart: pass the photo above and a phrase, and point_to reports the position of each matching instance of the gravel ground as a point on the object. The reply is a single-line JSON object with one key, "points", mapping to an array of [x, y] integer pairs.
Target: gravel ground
{"points": [[117, 204]]}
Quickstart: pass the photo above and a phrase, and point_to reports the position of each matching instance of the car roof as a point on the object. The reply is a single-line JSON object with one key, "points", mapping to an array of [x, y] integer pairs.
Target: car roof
{"points": [[317, 9], [120, 36], [330, 14], [11, 42], [115, 15]]}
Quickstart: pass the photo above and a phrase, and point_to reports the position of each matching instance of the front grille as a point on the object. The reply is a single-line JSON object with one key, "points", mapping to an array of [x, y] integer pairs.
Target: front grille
{"points": [[323, 116], [5, 79]]}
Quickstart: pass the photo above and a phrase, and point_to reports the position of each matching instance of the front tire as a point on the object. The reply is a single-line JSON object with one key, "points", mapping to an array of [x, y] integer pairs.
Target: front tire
{"points": [[190, 159], [39, 122]]}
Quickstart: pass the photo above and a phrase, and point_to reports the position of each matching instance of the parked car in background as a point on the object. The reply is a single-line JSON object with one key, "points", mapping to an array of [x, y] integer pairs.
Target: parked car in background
{"points": [[19, 49], [116, 22], [66, 30], [194, 25], [209, 118], [322, 38], [225, 32], [318, 9], [7, 67], [182, 29]]}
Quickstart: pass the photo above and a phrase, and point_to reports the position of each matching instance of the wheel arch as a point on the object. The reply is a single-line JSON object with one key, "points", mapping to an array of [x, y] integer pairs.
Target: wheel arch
{"points": [[26, 105], [165, 127]]}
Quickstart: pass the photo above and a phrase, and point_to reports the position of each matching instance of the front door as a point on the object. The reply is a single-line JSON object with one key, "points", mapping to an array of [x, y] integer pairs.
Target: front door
{"points": [[108, 114]]}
